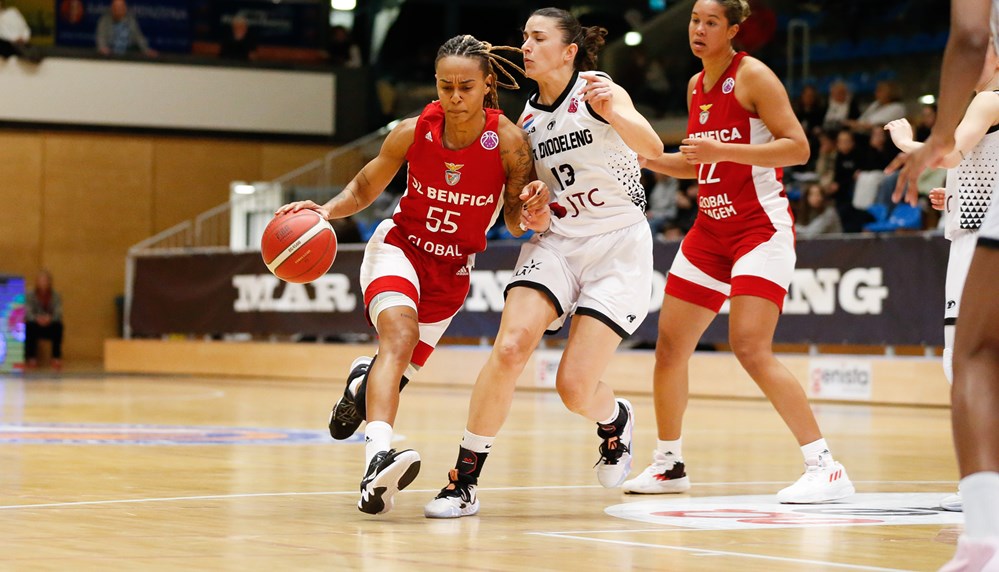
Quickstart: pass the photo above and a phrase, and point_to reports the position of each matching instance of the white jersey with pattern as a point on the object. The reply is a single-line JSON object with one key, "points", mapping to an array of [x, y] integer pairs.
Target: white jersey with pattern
{"points": [[590, 171], [971, 184]]}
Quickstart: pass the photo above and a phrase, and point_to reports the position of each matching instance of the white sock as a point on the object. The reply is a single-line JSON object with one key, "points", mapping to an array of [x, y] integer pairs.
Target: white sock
{"points": [[812, 450], [377, 437], [980, 493], [610, 420], [477, 443], [671, 447]]}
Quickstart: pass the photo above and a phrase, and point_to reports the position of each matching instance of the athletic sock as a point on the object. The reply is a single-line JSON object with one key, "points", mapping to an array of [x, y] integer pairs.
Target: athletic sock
{"points": [[811, 451], [615, 423], [674, 448], [980, 493], [377, 437], [472, 454]]}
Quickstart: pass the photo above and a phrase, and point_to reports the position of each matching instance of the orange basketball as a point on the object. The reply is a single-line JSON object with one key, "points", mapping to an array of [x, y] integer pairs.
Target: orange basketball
{"points": [[298, 246]]}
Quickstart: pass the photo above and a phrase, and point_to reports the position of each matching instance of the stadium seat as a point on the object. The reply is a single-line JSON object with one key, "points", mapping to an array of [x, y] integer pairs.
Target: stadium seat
{"points": [[903, 217]]}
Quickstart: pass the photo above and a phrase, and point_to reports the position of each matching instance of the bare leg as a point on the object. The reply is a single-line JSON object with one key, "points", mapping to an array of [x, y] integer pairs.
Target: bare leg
{"points": [[751, 331], [681, 325], [589, 349], [975, 393], [525, 316], [398, 334]]}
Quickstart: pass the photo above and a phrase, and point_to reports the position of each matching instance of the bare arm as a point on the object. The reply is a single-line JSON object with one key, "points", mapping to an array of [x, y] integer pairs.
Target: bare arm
{"points": [[760, 92], [982, 114], [962, 63], [614, 105], [370, 181], [673, 164], [515, 151]]}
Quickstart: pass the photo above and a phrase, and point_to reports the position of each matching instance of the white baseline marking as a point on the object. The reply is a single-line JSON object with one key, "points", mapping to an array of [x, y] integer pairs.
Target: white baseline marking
{"points": [[335, 493], [708, 552]]}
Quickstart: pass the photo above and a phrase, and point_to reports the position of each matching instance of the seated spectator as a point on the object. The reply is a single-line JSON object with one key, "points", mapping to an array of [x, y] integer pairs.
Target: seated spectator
{"points": [[686, 210], [848, 163], [811, 112], [15, 35], [43, 319], [886, 107], [118, 32], [342, 50], [239, 43], [661, 208], [816, 214], [927, 119], [825, 161], [842, 107]]}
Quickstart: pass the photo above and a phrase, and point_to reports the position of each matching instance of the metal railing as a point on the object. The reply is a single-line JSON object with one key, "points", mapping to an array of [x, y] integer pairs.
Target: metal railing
{"points": [[236, 223]]}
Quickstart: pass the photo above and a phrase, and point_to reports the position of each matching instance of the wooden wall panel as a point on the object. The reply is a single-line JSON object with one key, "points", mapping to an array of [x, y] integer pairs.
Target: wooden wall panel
{"points": [[20, 203], [278, 159], [75, 203], [193, 176], [98, 202]]}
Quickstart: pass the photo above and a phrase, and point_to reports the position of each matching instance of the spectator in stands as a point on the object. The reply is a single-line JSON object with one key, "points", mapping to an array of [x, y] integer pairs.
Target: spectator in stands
{"points": [[118, 32], [875, 158], [825, 161], [841, 107], [342, 49], [811, 112], [886, 107], [927, 119], [816, 214], [239, 43], [661, 200], [15, 35], [43, 320], [848, 161], [686, 210]]}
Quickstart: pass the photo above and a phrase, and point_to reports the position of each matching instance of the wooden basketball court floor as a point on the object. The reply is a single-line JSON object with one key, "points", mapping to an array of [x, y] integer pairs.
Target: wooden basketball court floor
{"points": [[119, 472]]}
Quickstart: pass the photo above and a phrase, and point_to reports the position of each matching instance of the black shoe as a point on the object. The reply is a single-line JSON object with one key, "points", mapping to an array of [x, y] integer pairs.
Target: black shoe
{"points": [[388, 473], [345, 418]]}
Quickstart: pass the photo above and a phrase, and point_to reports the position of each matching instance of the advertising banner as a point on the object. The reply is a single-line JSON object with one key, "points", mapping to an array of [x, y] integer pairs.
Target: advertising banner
{"points": [[859, 290]]}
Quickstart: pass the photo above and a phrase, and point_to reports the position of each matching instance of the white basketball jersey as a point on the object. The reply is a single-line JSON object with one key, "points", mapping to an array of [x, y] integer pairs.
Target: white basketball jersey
{"points": [[970, 185], [591, 172]]}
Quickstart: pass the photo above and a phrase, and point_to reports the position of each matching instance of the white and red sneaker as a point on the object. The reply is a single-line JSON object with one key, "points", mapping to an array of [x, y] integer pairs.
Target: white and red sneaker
{"points": [[666, 475], [824, 480]]}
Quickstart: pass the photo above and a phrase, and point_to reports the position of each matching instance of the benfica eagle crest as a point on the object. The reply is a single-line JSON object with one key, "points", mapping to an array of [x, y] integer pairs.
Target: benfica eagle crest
{"points": [[451, 173]]}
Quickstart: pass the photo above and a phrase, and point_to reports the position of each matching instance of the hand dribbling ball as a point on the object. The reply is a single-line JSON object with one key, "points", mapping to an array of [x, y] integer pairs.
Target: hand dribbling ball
{"points": [[298, 246]]}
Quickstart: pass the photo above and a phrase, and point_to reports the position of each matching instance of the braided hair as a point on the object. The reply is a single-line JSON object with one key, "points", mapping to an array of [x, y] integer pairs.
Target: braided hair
{"points": [[467, 46], [589, 39]]}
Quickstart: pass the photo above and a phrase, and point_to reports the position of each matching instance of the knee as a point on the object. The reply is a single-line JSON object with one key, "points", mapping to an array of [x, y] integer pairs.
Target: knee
{"points": [[513, 348], [669, 353], [752, 354], [398, 342], [572, 395]]}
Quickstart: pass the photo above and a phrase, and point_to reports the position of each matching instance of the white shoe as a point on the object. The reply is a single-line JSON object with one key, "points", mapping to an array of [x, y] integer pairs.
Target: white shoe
{"points": [[823, 481], [615, 451], [455, 500], [974, 555], [952, 502], [665, 475]]}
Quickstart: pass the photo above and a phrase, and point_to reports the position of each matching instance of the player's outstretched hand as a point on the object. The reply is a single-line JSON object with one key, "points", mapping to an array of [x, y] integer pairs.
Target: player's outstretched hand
{"points": [[303, 205], [938, 198]]}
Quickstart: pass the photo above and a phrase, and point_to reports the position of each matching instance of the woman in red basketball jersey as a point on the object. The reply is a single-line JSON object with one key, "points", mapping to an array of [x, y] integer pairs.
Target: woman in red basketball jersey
{"points": [[741, 130], [461, 152]]}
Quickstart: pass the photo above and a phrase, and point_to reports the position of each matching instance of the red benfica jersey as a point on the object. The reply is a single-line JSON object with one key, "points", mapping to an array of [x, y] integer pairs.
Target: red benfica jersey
{"points": [[452, 196], [733, 198]]}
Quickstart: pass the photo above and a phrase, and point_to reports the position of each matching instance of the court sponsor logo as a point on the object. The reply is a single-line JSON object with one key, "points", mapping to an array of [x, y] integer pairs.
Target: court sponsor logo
{"points": [[763, 512], [840, 379], [260, 293], [821, 290], [127, 434]]}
